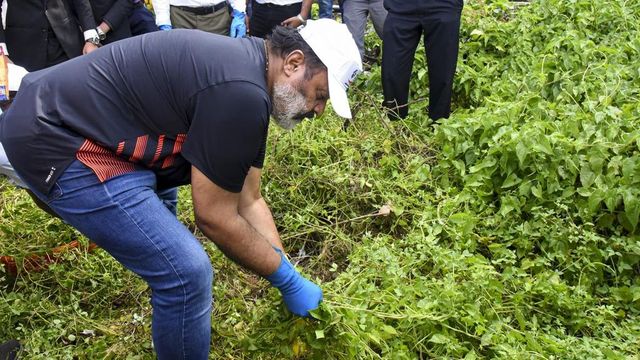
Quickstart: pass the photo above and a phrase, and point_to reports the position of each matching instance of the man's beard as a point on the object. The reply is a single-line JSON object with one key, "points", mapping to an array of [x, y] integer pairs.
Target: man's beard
{"points": [[289, 106]]}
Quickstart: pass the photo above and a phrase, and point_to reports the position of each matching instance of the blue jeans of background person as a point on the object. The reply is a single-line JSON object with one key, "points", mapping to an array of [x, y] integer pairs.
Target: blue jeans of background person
{"points": [[325, 9], [169, 198], [125, 217]]}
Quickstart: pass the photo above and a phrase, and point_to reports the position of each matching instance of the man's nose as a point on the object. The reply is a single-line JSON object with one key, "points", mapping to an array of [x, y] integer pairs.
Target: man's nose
{"points": [[319, 108]]}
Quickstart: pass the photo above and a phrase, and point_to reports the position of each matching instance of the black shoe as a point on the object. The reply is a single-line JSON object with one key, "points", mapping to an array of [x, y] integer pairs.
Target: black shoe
{"points": [[9, 350], [394, 112]]}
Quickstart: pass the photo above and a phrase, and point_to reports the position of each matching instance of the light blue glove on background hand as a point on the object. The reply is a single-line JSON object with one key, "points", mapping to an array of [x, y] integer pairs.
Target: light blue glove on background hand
{"points": [[165, 27], [299, 294], [238, 26]]}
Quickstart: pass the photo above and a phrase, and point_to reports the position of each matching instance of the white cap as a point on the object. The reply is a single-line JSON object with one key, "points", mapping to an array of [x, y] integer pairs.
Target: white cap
{"points": [[334, 45]]}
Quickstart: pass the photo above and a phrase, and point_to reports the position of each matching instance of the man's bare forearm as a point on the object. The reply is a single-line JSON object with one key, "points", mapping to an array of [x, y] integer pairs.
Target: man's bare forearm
{"points": [[243, 244], [259, 216], [305, 8]]}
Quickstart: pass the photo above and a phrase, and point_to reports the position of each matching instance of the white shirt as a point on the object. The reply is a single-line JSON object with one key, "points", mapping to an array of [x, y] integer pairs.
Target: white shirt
{"points": [[161, 7], [279, 2]]}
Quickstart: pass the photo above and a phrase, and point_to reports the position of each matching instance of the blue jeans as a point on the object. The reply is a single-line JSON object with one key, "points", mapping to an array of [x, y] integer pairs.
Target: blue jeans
{"points": [[125, 217], [325, 8]]}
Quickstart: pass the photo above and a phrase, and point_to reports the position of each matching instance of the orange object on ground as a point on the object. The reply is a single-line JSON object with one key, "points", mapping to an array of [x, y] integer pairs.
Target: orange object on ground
{"points": [[37, 263]]}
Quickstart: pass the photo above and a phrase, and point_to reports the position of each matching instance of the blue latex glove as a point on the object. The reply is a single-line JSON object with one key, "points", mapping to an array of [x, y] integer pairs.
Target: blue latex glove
{"points": [[238, 26], [165, 27], [299, 294]]}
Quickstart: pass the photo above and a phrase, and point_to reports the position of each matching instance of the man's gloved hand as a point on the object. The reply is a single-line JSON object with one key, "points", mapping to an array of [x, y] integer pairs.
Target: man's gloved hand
{"points": [[299, 294], [165, 27], [238, 24]]}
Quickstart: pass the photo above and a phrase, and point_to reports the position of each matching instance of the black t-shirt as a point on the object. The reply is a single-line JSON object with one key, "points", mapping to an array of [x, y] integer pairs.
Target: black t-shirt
{"points": [[161, 101]]}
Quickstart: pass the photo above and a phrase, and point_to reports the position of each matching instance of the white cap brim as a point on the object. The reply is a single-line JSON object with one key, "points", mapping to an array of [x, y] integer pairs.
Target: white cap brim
{"points": [[338, 96]]}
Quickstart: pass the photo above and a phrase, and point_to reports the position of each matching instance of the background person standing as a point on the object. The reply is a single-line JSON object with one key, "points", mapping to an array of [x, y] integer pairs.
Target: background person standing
{"points": [[38, 34], [112, 19], [355, 14], [407, 21], [206, 15]]}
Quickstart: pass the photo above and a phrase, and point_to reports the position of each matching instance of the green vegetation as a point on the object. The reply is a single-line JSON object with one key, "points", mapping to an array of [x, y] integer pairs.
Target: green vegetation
{"points": [[511, 229]]}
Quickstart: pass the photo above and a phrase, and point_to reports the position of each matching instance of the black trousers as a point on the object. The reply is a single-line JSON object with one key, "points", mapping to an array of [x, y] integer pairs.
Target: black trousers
{"points": [[141, 20], [264, 17], [401, 36], [55, 52]]}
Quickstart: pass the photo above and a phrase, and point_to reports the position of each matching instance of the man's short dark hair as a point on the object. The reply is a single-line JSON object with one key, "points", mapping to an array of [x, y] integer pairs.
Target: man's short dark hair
{"points": [[285, 40]]}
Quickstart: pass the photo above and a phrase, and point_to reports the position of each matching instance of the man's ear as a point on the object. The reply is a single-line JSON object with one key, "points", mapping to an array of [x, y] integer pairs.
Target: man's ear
{"points": [[294, 62]]}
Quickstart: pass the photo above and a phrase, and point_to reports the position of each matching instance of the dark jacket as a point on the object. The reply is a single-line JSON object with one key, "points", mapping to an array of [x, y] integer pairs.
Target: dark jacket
{"points": [[30, 23], [423, 7], [116, 14]]}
